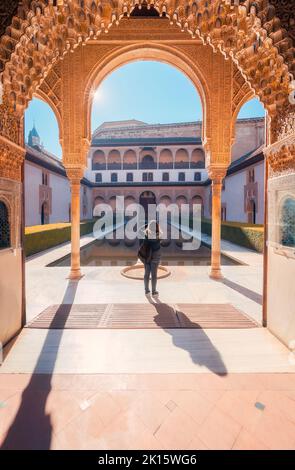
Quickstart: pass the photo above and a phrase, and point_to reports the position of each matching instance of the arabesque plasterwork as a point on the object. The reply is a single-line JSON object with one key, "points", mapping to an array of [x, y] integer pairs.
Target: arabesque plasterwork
{"points": [[240, 48], [281, 157], [248, 32], [11, 160]]}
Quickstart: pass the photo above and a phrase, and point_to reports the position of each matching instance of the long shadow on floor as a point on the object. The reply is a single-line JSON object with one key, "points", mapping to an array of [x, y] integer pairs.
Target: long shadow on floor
{"points": [[251, 294], [32, 428], [200, 348]]}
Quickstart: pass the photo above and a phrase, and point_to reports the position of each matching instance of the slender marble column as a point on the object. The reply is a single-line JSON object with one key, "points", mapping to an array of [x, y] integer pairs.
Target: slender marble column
{"points": [[75, 231], [216, 225], [75, 175]]}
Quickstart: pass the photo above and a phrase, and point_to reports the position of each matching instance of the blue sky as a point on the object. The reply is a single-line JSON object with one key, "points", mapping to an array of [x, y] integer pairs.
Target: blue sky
{"points": [[152, 92]]}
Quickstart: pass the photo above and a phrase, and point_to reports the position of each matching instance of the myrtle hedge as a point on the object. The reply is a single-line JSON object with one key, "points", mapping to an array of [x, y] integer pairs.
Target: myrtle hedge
{"points": [[243, 234]]}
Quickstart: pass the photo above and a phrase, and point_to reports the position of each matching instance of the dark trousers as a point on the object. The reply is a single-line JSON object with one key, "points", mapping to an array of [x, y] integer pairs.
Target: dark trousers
{"points": [[150, 270]]}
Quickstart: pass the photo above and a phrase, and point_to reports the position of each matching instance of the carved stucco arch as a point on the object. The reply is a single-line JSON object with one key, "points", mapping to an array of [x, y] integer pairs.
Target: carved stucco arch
{"points": [[248, 96], [147, 51], [46, 99], [249, 32]]}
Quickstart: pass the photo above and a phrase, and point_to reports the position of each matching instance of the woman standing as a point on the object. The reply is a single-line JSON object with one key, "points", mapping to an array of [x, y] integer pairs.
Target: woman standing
{"points": [[152, 244]]}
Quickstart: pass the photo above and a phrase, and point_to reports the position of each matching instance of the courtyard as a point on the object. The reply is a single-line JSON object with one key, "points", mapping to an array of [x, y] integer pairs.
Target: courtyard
{"points": [[137, 387], [187, 106]]}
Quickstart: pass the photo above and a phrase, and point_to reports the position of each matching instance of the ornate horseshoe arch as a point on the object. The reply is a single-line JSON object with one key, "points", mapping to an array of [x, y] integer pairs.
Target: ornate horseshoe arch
{"points": [[252, 53], [147, 51], [42, 32]]}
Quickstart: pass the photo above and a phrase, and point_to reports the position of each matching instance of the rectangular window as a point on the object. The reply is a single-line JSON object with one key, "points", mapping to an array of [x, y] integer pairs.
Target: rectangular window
{"points": [[44, 179], [147, 177], [98, 178], [114, 177], [181, 176], [251, 176], [197, 176], [165, 177], [129, 177]]}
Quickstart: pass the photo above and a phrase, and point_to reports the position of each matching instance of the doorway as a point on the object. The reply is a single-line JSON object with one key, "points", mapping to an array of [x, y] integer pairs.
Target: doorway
{"points": [[44, 213], [145, 199]]}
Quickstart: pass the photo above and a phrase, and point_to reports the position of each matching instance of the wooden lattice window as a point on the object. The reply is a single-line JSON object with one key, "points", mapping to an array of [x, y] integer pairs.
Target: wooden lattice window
{"points": [[4, 226]]}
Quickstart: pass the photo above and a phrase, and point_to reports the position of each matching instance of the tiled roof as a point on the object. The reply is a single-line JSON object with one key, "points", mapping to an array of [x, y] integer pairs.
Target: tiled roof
{"points": [[131, 124], [246, 160], [50, 162], [44, 158]]}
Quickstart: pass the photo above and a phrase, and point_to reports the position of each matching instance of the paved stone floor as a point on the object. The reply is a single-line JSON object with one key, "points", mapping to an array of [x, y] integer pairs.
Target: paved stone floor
{"points": [[147, 389], [241, 286], [147, 411]]}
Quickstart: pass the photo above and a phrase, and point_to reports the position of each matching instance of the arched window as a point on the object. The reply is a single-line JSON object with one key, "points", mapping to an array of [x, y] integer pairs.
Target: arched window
{"points": [[114, 160], [98, 178], [198, 200], [114, 177], [129, 160], [166, 200], [4, 226], [287, 222], [98, 200], [181, 200], [98, 160], [181, 159], [148, 162], [166, 159], [45, 213], [129, 200], [198, 158]]}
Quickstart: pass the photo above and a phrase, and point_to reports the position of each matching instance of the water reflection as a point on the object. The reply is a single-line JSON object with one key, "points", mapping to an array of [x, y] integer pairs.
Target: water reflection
{"points": [[124, 253]]}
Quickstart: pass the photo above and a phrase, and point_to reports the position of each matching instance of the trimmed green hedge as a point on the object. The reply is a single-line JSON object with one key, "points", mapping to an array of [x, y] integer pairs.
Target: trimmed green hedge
{"points": [[42, 237], [243, 234]]}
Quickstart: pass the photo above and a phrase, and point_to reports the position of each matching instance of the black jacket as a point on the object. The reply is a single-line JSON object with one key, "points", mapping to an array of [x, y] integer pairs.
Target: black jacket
{"points": [[153, 243]]}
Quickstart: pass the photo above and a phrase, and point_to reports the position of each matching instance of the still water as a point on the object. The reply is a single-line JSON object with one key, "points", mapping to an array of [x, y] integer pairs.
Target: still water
{"points": [[124, 253]]}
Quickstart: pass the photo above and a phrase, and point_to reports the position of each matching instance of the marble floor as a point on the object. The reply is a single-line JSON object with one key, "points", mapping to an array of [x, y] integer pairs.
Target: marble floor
{"points": [[147, 389], [241, 285]]}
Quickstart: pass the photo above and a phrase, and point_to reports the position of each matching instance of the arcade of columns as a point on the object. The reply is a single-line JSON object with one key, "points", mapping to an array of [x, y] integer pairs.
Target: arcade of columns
{"points": [[60, 50]]}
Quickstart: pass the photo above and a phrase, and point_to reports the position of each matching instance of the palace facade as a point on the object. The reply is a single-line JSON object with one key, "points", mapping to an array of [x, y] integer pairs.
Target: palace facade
{"points": [[161, 162]]}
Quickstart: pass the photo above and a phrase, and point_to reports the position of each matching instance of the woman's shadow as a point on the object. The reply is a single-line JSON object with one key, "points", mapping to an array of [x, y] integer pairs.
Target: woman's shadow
{"points": [[200, 348]]}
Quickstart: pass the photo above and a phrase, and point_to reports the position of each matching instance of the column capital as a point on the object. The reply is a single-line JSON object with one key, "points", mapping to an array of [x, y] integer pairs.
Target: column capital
{"points": [[217, 173], [74, 173]]}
